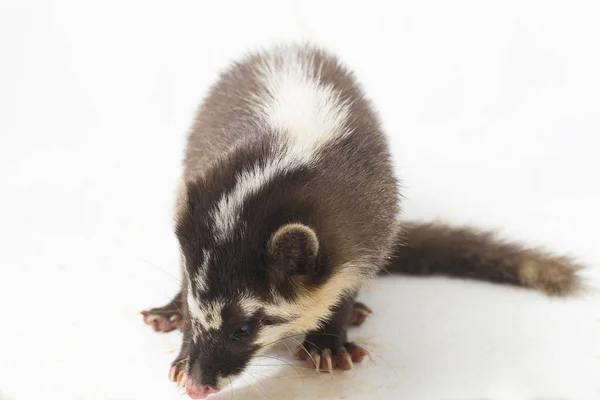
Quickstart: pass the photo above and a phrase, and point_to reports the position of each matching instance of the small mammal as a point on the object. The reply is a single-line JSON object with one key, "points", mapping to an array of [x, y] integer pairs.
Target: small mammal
{"points": [[287, 206]]}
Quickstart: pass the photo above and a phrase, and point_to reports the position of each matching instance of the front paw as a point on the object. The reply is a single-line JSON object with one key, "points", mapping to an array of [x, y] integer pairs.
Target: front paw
{"points": [[162, 320], [328, 353]]}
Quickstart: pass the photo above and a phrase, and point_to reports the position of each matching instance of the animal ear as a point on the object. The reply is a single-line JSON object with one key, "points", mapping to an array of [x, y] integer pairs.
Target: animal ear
{"points": [[293, 249]]}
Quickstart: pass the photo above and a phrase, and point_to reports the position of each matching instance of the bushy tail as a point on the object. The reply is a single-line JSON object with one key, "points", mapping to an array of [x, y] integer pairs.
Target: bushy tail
{"points": [[434, 248]]}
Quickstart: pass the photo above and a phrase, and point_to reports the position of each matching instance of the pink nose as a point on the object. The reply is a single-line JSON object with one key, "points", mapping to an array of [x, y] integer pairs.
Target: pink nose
{"points": [[198, 391]]}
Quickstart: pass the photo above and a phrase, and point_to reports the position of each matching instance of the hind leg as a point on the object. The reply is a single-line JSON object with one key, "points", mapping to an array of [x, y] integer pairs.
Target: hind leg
{"points": [[165, 318]]}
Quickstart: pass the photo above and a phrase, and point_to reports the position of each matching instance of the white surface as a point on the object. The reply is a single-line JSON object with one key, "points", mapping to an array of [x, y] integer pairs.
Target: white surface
{"points": [[494, 115]]}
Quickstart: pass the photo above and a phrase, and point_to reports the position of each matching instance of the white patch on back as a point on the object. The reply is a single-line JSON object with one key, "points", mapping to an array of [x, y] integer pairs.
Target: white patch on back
{"points": [[296, 104]]}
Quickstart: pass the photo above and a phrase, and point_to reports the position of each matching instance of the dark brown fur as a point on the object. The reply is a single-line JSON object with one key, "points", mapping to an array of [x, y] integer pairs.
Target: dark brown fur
{"points": [[435, 248], [343, 206], [346, 196], [228, 137]]}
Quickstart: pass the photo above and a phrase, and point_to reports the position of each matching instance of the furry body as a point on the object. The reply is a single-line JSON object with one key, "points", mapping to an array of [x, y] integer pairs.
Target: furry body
{"points": [[288, 205]]}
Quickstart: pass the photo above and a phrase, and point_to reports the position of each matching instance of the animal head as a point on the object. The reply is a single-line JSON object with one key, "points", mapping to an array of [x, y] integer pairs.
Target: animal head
{"points": [[251, 281]]}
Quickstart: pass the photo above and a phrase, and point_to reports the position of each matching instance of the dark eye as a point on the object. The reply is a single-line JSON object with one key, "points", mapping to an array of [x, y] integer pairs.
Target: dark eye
{"points": [[243, 331]]}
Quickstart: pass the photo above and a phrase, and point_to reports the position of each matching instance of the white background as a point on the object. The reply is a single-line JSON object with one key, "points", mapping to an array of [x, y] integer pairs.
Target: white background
{"points": [[493, 111]]}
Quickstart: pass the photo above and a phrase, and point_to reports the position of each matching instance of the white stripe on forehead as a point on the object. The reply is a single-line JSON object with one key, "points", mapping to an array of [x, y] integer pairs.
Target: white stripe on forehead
{"points": [[250, 304], [205, 315], [200, 276], [294, 103]]}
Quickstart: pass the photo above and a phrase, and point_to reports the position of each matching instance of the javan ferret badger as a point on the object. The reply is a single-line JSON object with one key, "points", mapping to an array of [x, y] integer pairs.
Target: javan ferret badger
{"points": [[288, 205]]}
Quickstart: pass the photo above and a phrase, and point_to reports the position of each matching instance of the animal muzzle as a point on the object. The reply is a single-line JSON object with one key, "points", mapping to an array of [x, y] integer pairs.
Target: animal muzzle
{"points": [[197, 391]]}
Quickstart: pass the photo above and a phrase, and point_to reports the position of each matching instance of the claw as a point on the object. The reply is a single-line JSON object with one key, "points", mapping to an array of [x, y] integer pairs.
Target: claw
{"points": [[316, 360], [326, 363], [326, 360], [357, 353], [343, 360], [182, 379], [177, 372], [173, 373]]}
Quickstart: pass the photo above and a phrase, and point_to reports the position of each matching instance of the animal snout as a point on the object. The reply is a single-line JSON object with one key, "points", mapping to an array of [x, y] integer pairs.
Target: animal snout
{"points": [[197, 391]]}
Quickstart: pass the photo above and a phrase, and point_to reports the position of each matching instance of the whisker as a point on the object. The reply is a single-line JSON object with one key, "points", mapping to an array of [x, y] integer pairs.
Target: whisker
{"points": [[361, 345], [279, 340], [306, 350], [255, 389], [290, 364], [278, 377], [308, 341], [281, 365], [257, 380], [179, 362], [164, 271], [338, 336], [288, 347]]}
